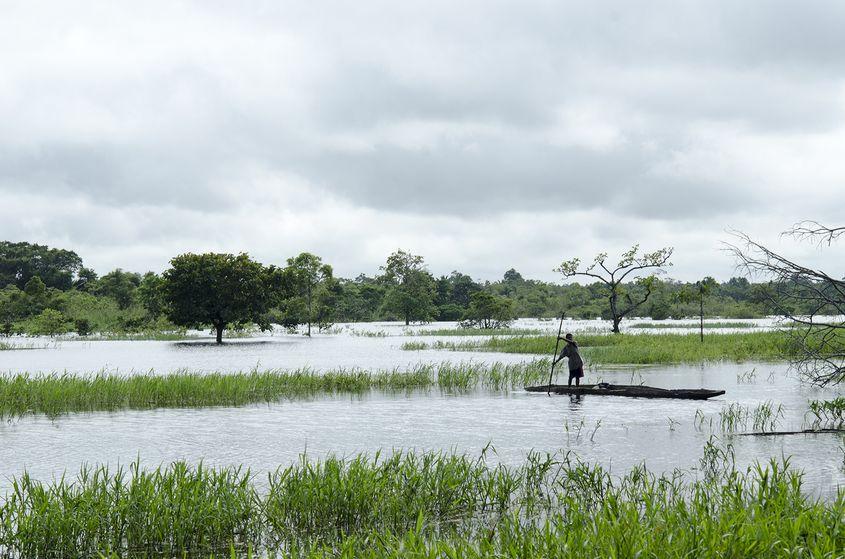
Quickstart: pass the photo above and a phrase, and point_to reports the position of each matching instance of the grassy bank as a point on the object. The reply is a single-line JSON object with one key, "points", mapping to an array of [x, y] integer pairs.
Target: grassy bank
{"points": [[643, 349], [56, 394], [422, 505]]}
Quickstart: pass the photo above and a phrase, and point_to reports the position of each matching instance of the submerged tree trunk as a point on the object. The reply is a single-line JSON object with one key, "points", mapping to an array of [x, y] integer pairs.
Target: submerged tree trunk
{"points": [[614, 312]]}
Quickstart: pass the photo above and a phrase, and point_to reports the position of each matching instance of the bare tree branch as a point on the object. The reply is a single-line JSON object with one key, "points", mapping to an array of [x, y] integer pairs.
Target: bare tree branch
{"points": [[817, 337]]}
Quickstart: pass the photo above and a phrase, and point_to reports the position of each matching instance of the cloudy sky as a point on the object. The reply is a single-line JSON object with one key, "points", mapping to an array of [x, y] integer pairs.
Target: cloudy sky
{"points": [[483, 135]]}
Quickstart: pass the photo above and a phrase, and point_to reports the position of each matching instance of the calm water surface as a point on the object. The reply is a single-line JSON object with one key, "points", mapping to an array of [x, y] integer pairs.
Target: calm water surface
{"points": [[617, 432]]}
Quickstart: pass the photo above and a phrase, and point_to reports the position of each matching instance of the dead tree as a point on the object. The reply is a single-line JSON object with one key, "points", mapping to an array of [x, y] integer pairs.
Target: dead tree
{"points": [[621, 302], [812, 301]]}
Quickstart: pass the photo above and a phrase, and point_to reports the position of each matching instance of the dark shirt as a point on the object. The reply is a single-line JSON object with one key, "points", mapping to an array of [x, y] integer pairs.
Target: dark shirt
{"points": [[570, 350]]}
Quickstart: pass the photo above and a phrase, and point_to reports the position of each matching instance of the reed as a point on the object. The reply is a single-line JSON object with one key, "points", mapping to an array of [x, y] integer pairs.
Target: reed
{"points": [[414, 346], [431, 504], [828, 414], [735, 417], [150, 335], [644, 349], [480, 332], [692, 325], [56, 394]]}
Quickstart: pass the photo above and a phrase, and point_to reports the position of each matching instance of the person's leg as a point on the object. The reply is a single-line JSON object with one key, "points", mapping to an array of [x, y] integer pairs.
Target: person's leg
{"points": [[577, 381], [570, 380]]}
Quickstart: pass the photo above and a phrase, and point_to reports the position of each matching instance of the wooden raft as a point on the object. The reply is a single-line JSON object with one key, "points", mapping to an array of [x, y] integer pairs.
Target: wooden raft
{"points": [[630, 390]]}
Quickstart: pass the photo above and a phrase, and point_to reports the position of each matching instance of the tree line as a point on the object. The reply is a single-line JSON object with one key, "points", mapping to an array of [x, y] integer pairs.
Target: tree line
{"points": [[49, 291]]}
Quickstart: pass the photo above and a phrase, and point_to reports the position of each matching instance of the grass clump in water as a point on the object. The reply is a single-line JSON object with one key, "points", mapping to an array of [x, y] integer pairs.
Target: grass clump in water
{"points": [[481, 332], [56, 394], [424, 505], [414, 346], [645, 349], [690, 325], [828, 414]]}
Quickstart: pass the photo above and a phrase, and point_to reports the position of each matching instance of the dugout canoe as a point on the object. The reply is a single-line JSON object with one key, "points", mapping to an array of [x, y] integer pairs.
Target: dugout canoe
{"points": [[629, 390]]}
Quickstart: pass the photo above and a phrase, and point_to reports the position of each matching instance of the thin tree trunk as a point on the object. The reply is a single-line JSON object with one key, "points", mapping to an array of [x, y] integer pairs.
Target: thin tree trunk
{"points": [[613, 312], [309, 311], [701, 317], [219, 328]]}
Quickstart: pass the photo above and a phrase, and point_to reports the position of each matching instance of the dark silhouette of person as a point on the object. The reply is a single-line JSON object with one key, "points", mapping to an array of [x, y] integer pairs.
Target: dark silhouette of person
{"points": [[576, 363]]}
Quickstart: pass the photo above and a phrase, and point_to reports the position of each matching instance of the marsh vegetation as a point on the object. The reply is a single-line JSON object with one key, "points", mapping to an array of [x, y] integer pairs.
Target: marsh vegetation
{"points": [[641, 349], [56, 394], [433, 504]]}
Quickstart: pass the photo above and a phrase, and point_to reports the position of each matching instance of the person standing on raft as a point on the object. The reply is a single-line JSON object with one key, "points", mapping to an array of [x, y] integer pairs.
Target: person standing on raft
{"points": [[576, 364]]}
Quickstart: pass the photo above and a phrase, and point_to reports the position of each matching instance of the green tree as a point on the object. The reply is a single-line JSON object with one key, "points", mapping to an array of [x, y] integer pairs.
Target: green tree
{"points": [[14, 306], [19, 262], [86, 279], [622, 303], [120, 286], [488, 311], [217, 289], [36, 293], [410, 287], [50, 322], [151, 294], [311, 280]]}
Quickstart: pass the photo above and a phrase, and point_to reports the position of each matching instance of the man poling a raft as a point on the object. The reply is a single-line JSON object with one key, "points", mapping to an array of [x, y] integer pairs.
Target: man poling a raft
{"points": [[576, 364]]}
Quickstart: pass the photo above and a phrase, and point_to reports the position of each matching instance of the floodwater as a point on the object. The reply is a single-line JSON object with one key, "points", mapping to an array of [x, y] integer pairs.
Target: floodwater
{"points": [[616, 432]]}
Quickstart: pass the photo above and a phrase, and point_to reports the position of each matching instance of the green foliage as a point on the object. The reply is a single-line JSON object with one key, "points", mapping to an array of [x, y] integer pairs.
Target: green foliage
{"points": [[216, 289], [410, 288], [314, 291], [621, 302], [488, 311], [152, 295], [54, 394], [118, 285], [829, 414], [404, 291], [14, 305], [646, 349], [20, 262], [49, 322], [423, 505]]}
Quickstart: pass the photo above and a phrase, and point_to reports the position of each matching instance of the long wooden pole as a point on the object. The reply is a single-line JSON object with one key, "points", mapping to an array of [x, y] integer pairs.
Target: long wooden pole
{"points": [[557, 342]]}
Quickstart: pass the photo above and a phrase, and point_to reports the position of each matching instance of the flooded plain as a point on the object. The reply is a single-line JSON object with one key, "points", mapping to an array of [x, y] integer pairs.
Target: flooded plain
{"points": [[614, 431]]}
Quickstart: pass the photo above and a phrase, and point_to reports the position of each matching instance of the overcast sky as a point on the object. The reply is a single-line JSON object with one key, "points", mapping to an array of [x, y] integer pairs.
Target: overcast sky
{"points": [[483, 135]]}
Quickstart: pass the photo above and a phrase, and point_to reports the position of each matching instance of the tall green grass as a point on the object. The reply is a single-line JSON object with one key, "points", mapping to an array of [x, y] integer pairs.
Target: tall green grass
{"points": [[828, 414], [691, 325], [55, 394], [645, 348], [423, 505], [480, 332]]}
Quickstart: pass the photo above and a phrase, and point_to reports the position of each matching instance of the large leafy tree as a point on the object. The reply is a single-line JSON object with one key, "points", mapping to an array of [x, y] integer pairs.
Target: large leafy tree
{"points": [[20, 262], [410, 287], [313, 287], [632, 265], [216, 289], [118, 285], [487, 310]]}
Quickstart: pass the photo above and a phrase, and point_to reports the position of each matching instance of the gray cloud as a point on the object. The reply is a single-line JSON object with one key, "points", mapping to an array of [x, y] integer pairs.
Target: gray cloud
{"points": [[669, 111]]}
